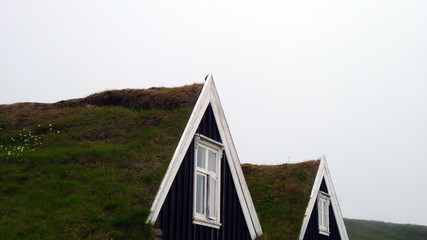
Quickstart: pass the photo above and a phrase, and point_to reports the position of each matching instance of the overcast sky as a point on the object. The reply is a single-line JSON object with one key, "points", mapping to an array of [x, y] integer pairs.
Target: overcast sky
{"points": [[297, 79]]}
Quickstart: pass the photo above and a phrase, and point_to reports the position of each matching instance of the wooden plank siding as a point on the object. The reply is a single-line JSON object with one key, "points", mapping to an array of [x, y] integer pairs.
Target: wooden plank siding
{"points": [[312, 232], [176, 216]]}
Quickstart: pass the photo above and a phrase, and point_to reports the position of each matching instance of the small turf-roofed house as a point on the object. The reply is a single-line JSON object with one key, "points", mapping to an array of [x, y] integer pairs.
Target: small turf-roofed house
{"points": [[296, 201], [203, 194], [323, 218]]}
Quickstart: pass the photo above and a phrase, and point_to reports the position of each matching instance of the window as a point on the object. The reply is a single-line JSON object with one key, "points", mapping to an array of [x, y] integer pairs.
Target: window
{"points": [[323, 212], [208, 154]]}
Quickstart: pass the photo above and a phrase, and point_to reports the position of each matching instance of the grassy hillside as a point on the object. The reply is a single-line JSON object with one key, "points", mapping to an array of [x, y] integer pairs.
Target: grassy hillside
{"points": [[281, 194], [88, 168], [374, 230]]}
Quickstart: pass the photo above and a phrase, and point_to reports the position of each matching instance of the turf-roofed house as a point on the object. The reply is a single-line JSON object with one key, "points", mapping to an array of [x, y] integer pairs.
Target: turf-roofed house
{"points": [[296, 201], [158, 163], [203, 194]]}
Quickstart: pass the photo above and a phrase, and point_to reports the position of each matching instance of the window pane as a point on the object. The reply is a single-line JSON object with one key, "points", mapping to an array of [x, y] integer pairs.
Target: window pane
{"points": [[212, 197], [201, 157], [320, 205], [325, 206], [323, 213], [325, 210], [200, 194], [212, 161], [325, 220], [320, 221]]}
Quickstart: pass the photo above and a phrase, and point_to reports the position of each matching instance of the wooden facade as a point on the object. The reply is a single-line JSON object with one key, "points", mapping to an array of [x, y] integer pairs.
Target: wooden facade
{"points": [[176, 216]]}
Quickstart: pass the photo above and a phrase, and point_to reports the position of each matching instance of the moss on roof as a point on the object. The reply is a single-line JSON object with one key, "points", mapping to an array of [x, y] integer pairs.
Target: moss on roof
{"points": [[280, 194], [88, 168]]}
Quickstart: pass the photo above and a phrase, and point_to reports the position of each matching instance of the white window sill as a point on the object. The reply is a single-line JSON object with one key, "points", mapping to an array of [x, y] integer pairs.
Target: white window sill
{"points": [[324, 232], [206, 222]]}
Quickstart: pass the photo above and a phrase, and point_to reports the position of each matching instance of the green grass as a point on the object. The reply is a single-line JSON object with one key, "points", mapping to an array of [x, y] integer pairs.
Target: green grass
{"points": [[375, 230], [83, 173], [278, 191]]}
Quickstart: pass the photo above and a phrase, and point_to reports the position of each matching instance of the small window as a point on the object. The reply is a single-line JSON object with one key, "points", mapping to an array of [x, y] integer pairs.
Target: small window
{"points": [[323, 211], [207, 185]]}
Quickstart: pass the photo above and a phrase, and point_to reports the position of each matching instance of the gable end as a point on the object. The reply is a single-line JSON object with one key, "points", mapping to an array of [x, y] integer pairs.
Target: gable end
{"points": [[208, 103], [310, 226]]}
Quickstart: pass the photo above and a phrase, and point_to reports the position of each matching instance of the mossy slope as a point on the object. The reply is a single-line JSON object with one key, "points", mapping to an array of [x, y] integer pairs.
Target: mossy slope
{"points": [[281, 194], [88, 168]]}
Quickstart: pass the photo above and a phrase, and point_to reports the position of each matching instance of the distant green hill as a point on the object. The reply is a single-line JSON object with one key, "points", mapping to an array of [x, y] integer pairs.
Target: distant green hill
{"points": [[374, 230]]}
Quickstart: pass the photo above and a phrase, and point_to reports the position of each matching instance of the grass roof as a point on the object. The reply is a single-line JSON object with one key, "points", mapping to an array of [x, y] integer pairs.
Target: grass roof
{"points": [[281, 194], [88, 168]]}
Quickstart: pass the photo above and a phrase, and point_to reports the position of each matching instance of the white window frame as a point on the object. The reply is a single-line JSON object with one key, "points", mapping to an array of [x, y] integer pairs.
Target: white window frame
{"points": [[323, 202], [216, 147]]}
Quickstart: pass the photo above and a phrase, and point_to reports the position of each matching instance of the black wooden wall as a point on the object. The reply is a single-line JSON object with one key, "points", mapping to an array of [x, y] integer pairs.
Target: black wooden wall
{"points": [[312, 231], [176, 216]]}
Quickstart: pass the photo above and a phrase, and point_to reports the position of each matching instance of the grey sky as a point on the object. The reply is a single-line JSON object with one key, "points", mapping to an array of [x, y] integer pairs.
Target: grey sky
{"points": [[296, 78]]}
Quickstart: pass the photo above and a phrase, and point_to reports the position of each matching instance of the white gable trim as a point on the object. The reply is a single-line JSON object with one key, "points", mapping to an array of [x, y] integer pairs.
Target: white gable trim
{"points": [[209, 95], [235, 168], [323, 172]]}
